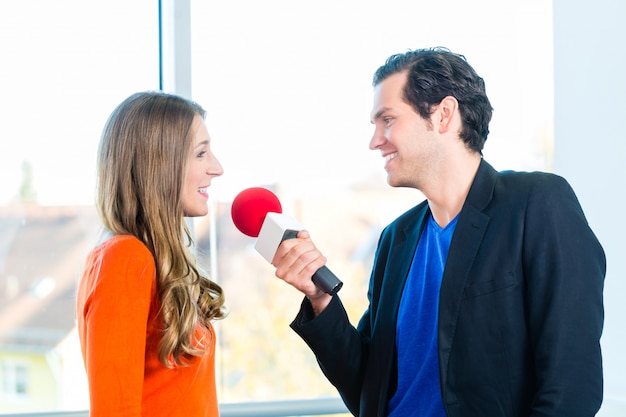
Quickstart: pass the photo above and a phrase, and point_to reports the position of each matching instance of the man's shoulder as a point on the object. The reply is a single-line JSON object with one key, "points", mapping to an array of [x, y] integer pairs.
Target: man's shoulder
{"points": [[510, 189], [530, 181], [529, 176]]}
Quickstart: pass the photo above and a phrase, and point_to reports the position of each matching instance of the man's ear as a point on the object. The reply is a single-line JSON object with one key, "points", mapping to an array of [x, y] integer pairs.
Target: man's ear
{"points": [[448, 114]]}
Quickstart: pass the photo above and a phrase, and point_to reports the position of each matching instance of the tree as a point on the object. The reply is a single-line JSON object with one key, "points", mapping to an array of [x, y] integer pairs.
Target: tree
{"points": [[27, 193]]}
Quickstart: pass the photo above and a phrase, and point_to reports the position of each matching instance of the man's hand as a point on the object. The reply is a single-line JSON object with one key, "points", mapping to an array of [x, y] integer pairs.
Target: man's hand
{"points": [[296, 260]]}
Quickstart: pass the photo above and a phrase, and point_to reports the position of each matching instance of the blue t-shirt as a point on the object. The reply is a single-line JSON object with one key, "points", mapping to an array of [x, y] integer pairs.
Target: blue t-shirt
{"points": [[419, 391]]}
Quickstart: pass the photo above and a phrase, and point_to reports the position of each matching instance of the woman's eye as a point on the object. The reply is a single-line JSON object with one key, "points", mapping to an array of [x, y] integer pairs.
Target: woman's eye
{"points": [[201, 154]]}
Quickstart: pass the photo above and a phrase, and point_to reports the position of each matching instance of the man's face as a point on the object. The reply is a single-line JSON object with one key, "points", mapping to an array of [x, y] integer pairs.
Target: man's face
{"points": [[407, 142]]}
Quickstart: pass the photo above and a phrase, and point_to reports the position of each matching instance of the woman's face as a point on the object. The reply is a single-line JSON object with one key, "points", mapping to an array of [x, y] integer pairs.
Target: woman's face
{"points": [[202, 167]]}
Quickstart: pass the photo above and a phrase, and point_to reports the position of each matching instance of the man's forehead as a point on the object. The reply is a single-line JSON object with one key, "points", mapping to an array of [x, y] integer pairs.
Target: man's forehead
{"points": [[391, 87], [388, 92]]}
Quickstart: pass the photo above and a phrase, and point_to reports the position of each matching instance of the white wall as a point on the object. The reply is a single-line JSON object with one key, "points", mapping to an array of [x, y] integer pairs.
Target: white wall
{"points": [[590, 151]]}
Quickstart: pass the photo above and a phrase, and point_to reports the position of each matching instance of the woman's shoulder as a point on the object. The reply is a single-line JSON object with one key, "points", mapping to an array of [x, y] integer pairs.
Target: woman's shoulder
{"points": [[110, 264], [123, 244], [125, 249]]}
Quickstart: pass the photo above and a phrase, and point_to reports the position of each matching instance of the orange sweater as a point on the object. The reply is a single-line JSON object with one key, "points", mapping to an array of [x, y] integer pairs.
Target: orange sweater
{"points": [[116, 308]]}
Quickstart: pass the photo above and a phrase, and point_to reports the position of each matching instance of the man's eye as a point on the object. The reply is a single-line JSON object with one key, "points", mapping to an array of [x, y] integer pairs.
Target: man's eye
{"points": [[387, 120]]}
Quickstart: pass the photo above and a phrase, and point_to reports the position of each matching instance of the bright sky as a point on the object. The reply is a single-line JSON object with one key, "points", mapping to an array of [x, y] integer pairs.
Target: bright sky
{"points": [[287, 86]]}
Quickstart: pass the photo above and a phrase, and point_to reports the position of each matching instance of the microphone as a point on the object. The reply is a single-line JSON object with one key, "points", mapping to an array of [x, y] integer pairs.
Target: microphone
{"points": [[257, 212]]}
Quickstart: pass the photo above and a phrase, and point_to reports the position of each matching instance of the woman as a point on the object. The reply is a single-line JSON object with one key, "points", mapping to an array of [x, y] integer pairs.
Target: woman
{"points": [[144, 307]]}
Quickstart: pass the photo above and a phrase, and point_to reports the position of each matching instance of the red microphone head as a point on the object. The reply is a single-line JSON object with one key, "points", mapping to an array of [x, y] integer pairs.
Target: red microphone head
{"points": [[250, 208]]}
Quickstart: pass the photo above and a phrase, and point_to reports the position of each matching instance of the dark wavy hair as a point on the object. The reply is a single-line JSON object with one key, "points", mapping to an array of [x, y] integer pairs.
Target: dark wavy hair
{"points": [[432, 75]]}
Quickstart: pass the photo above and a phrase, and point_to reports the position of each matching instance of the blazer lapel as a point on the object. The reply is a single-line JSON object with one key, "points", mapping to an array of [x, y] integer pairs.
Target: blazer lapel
{"points": [[466, 241], [402, 254], [382, 349]]}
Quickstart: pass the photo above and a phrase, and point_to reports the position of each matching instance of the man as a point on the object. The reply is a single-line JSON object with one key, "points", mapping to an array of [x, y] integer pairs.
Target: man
{"points": [[486, 298]]}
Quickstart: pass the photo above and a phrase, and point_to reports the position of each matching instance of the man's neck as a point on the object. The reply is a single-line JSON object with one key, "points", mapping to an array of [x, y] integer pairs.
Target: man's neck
{"points": [[447, 195]]}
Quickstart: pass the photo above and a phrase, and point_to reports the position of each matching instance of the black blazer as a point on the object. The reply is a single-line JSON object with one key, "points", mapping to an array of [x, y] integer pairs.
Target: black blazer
{"points": [[520, 309]]}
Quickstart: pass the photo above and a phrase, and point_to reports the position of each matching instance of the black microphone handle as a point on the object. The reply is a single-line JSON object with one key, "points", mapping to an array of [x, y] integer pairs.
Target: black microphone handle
{"points": [[323, 278], [326, 281]]}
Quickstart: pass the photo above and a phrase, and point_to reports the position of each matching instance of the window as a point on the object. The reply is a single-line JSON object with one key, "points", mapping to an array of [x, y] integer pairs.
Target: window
{"points": [[15, 380], [287, 89], [65, 65]]}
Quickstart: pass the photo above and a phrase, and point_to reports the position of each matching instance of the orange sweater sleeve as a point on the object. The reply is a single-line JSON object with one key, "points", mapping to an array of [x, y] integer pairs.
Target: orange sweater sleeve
{"points": [[113, 301]]}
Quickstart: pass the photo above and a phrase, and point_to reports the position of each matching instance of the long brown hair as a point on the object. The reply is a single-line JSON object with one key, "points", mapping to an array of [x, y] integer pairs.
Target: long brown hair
{"points": [[142, 161]]}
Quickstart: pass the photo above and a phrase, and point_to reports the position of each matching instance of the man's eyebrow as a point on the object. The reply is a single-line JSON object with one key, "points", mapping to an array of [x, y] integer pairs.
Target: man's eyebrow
{"points": [[378, 114]]}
